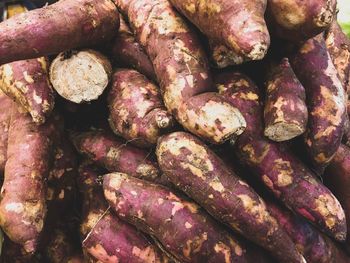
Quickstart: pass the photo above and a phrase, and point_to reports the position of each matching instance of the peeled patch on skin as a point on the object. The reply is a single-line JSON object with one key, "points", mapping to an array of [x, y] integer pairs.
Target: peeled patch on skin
{"points": [[184, 78], [326, 101], [193, 168], [27, 83], [82, 76], [282, 173], [239, 37], [174, 221], [285, 111], [298, 20], [27, 167], [136, 109]]}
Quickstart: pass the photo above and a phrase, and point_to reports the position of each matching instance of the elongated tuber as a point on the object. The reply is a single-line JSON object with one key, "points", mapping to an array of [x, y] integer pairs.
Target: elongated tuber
{"points": [[115, 154], [326, 100], [282, 173], [136, 109], [285, 111], [237, 25], [182, 70], [62, 26]]}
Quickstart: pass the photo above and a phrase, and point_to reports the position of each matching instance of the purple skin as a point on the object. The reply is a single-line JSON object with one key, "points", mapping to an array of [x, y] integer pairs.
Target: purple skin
{"points": [[5, 115], [115, 154], [316, 247], [283, 174], [29, 151], [326, 101], [182, 70], [137, 112], [180, 226], [27, 83], [338, 45], [105, 237], [62, 26], [337, 178], [126, 51], [299, 20], [192, 167], [285, 111]]}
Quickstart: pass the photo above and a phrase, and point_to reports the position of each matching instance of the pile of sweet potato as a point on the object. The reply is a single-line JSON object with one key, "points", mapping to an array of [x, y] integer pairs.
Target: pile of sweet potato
{"points": [[155, 131]]}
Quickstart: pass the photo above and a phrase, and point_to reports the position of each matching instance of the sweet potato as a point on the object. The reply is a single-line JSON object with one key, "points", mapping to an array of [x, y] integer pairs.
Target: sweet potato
{"points": [[316, 247], [192, 167], [298, 20], [5, 105], [180, 226], [238, 25], [116, 155], [337, 178], [127, 52], [182, 70], [338, 45], [106, 237], [55, 28], [326, 101], [283, 174], [27, 83], [136, 109], [80, 76], [285, 111], [22, 212]]}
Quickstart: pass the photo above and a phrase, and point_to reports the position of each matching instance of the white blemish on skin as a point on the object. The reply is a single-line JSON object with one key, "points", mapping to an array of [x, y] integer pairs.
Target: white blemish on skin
{"points": [[188, 225], [177, 206], [146, 255], [28, 78], [36, 98], [14, 207], [134, 193]]}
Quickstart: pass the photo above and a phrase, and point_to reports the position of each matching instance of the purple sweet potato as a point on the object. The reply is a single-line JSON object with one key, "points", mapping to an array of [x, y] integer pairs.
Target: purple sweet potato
{"points": [[126, 51], [136, 109], [105, 237], [298, 20], [115, 154], [55, 28], [338, 45], [316, 247], [326, 100], [27, 83], [337, 178], [180, 226], [282, 173], [238, 25], [182, 70], [23, 194], [285, 111], [192, 167], [5, 115]]}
